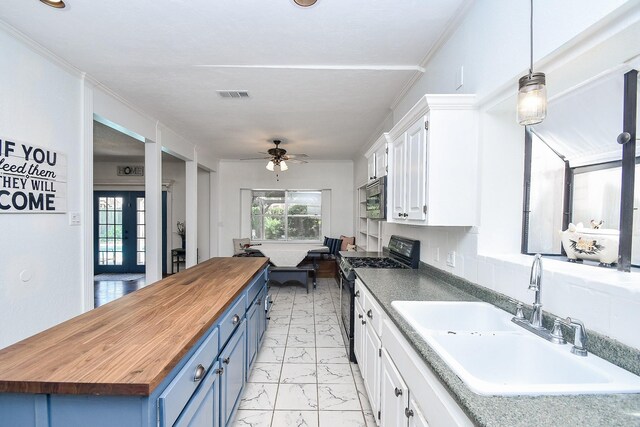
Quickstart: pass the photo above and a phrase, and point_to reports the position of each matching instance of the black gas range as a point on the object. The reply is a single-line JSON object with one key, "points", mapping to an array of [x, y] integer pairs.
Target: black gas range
{"points": [[403, 253]]}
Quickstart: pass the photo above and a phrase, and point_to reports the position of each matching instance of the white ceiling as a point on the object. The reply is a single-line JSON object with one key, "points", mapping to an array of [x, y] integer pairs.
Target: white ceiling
{"points": [[321, 78], [111, 145]]}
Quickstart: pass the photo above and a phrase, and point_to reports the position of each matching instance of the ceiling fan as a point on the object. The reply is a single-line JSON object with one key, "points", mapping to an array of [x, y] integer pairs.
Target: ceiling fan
{"points": [[278, 158]]}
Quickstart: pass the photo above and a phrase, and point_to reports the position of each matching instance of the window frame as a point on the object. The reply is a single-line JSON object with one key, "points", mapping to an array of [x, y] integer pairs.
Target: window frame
{"points": [[628, 165], [285, 217]]}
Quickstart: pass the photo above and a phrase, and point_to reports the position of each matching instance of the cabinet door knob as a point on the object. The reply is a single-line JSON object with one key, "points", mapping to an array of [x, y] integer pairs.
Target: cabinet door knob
{"points": [[408, 412], [405, 215], [357, 294], [199, 373], [398, 392], [219, 371], [400, 214], [364, 322], [360, 316], [225, 360], [235, 319], [370, 314]]}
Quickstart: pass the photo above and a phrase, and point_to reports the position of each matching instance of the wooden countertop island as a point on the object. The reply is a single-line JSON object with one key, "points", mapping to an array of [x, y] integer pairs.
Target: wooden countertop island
{"points": [[127, 347]]}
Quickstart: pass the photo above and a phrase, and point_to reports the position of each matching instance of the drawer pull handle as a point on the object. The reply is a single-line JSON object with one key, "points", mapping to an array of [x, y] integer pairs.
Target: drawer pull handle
{"points": [[235, 319], [225, 360], [199, 374], [370, 314], [398, 392], [408, 412], [357, 294]]}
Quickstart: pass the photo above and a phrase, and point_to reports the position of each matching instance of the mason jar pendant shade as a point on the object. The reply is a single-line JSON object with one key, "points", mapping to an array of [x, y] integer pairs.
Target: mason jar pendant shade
{"points": [[532, 90], [532, 99]]}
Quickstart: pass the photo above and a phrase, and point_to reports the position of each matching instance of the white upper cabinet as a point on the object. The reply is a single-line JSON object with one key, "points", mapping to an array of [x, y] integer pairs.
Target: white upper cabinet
{"points": [[377, 158], [381, 160], [433, 163]]}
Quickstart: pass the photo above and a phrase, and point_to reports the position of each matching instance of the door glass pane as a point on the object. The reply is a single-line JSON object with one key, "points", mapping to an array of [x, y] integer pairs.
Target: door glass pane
{"points": [[110, 231], [140, 228]]}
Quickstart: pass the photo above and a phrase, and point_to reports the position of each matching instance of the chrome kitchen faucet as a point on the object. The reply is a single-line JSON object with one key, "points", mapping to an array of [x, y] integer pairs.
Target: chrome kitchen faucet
{"points": [[535, 324], [535, 284]]}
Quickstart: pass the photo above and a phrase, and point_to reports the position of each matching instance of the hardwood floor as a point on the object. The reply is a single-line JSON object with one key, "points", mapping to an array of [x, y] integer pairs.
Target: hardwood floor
{"points": [[105, 291]]}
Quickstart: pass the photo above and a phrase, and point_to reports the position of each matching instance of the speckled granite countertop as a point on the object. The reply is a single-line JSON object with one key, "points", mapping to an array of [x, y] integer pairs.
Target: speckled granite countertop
{"points": [[585, 410]]}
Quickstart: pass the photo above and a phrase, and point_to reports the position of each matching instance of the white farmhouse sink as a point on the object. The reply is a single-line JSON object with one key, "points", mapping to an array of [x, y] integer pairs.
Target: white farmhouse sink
{"points": [[455, 316], [493, 356]]}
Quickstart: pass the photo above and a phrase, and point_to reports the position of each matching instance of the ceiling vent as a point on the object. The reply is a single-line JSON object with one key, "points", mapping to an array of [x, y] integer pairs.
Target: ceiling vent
{"points": [[233, 94]]}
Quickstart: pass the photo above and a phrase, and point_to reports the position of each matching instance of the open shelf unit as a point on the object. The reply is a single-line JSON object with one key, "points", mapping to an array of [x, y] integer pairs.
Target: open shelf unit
{"points": [[369, 230]]}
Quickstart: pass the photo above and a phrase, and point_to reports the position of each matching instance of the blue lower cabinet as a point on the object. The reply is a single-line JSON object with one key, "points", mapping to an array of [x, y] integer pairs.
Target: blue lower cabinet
{"points": [[173, 399], [203, 408], [233, 365], [253, 328], [262, 315]]}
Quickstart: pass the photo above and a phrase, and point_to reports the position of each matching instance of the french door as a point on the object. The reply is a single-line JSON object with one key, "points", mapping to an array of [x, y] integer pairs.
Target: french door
{"points": [[119, 232]]}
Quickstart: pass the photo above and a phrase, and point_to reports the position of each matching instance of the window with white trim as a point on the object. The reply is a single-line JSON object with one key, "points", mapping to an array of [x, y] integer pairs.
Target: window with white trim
{"points": [[286, 215]]}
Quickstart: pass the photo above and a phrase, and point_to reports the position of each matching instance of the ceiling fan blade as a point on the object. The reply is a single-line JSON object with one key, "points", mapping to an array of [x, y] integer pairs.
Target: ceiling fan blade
{"points": [[257, 158], [293, 156], [298, 161]]}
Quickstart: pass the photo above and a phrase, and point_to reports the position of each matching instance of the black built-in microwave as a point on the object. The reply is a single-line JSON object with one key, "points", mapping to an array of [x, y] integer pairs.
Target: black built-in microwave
{"points": [[377, 199]]}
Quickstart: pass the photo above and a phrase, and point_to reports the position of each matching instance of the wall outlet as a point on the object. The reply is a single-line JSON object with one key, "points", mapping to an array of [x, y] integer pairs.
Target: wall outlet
{"points": [[451, 259], [436, 255]]}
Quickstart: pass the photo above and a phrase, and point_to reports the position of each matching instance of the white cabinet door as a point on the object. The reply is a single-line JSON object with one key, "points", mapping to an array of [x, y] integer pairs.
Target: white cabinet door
{"points": [[358, 336], [416, 419], [381, 161], [398, 178], [371, 373], [371, 167], [394, 394], [416, 169]]}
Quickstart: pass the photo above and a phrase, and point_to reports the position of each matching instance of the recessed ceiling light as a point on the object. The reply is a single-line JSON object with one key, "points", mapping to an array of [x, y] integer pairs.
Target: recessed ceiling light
{"points": [[58, 4], [305, 3]]}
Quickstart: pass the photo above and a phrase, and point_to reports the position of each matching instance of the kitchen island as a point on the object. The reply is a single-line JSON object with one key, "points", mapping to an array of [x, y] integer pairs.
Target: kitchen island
{"points": [[146, 357]]}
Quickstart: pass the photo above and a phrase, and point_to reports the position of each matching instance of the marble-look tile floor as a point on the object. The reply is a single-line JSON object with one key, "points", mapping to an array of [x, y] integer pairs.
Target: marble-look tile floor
{"points": [[302, 376]]}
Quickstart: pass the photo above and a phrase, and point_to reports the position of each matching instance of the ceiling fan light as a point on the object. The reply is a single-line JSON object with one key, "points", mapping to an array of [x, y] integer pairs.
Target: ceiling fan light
{"points": [[270, 165], [283, 166], [58, 4], [532, 99]]}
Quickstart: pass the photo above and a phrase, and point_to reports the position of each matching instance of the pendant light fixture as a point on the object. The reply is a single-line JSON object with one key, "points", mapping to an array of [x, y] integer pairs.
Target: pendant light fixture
{"points": [[532, 90], [305, 3]]}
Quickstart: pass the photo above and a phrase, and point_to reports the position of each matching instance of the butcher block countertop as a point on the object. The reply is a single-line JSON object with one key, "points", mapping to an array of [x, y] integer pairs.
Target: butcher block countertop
{"points": [[127, 347]]}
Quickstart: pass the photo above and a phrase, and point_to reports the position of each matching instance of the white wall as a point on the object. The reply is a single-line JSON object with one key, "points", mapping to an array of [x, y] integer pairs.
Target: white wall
{"points": [[40, 103], [491, 44], [204, 206], [174, 173], [315, 175], [48, 102]]}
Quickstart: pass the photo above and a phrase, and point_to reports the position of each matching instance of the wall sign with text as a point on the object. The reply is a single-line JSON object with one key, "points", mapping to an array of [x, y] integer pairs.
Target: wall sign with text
{"points": [[32, 179]]}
